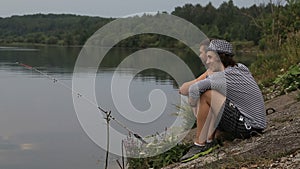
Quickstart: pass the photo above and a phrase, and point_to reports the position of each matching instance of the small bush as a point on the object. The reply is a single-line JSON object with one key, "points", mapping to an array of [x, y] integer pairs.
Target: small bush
{"points": [[140, 154], [169, 157], [284, 83], [288, 81]]}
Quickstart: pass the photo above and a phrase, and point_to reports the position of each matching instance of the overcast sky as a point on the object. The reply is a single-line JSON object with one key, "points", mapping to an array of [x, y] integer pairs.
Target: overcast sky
{"points": [[103, 8]]}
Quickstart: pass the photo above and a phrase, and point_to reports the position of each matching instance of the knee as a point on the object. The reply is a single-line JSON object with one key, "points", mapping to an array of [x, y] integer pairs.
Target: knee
{"points": [[212, 94], [206, 95]]}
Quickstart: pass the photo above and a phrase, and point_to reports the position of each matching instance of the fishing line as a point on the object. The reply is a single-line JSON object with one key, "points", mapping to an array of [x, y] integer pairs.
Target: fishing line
{"points": [[107, 113]]}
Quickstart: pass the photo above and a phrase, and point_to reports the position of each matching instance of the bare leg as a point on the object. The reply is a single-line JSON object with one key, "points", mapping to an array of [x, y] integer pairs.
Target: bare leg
{"points": [[195, 110], [210, 104]]}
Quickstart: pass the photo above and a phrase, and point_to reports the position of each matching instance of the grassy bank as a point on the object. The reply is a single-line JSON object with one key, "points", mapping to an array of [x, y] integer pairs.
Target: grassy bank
{"points": [[277, 71]]}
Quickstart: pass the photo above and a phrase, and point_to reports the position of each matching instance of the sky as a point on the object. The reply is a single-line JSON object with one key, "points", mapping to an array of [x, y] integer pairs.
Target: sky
{"points": [[102, 8]]}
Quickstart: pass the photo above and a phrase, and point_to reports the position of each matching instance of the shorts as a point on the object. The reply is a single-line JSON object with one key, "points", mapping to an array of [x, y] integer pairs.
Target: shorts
{"points": [[234, 122]]}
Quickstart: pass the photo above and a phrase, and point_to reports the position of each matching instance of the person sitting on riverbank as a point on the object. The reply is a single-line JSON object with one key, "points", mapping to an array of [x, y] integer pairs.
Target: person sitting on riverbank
{"points": [[184, 89], [229, 100]]}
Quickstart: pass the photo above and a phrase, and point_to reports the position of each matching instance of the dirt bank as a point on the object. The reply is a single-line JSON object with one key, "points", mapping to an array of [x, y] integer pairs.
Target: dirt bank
{"points": [[278, 147]]}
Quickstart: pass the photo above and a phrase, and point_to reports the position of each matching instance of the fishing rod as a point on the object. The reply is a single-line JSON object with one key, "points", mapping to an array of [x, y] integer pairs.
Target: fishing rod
{"points": [[107, 113]]}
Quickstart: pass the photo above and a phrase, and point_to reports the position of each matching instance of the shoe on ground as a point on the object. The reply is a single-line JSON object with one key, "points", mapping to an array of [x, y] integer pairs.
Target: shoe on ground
{"points": [[197, 151]]}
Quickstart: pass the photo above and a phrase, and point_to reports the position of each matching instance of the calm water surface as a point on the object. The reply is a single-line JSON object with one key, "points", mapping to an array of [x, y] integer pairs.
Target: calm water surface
{"points": [[39, 128]]}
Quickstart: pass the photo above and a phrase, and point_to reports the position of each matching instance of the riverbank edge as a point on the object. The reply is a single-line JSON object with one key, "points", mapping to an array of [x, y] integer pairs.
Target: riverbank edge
{"points": [[278, 147]]}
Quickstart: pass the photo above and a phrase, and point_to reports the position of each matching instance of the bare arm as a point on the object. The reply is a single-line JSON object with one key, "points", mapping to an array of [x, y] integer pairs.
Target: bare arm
{"points": [[184, 89]]}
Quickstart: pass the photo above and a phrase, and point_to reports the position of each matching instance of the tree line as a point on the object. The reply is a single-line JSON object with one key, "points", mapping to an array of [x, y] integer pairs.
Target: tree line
{"points": [[253, 24], [59, 29]]}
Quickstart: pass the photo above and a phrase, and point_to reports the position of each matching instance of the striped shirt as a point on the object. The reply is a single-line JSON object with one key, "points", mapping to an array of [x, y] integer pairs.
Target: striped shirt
{"points": [[239, 86]]}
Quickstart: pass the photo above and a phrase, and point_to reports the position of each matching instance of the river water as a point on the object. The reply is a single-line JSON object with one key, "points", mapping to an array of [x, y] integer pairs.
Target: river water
{"points": [[39, 126]]}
